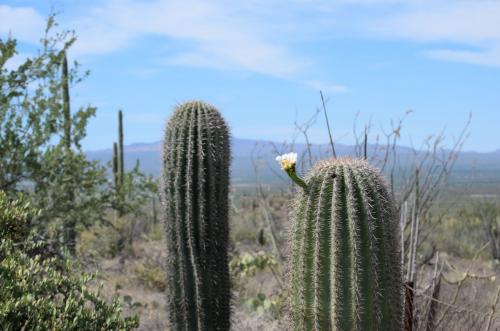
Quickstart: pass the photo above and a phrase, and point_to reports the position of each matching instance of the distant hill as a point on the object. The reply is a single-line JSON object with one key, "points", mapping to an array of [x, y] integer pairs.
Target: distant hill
{"points": [[472, 168]]}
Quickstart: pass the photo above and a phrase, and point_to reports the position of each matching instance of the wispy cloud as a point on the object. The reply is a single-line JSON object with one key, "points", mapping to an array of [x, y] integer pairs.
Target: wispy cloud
{"points": [[259, 36], [255, 35], [219, 34], [24, 23], [462, 22], [457, 21], [217, 37], [489, 57]]}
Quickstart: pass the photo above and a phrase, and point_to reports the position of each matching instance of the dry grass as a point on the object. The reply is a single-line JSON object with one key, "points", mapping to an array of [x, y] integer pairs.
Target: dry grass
{"points": [[469, 311], [467, 299], [138, 276], [120, 276]]}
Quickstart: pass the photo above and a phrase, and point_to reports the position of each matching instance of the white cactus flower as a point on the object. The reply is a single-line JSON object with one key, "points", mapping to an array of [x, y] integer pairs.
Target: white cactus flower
{"points": [[287, 161]]}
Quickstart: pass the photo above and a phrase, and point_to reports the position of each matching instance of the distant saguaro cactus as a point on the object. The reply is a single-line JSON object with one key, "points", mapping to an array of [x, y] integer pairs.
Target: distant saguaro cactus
{"points": [[195, 182], [115, 166], [118, 160], [118, 167], [121, 161], [345, 265], [66, 104], [69, 234]]}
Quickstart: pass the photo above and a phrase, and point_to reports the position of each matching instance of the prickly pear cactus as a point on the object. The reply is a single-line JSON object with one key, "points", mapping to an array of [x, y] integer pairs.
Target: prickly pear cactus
{"points": [[345, 265], [195, 197]]}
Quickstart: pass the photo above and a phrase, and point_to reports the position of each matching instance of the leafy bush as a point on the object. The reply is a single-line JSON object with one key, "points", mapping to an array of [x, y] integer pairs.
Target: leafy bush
{"points": [[39, 293], [14, 218], [244, 267], [156, 232], [151, 276], [102, 240], [248, 264], [261, 304], [243, 230]]}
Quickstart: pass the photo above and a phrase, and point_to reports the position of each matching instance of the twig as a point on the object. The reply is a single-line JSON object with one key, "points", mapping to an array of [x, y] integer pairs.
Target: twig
{"points": [[328, 124], [265, 210], [493, 309], [458, 289], [450, 305], [431, 316]]}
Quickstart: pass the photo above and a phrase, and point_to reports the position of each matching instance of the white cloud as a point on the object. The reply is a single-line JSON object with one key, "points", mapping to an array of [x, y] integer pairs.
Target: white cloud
{"points": [[217, 36], [256, 35], [24, 23], [457, 21], [468, 23], [490, 57]]}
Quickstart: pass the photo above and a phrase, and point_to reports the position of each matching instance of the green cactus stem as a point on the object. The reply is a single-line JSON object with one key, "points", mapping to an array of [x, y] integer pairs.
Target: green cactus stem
{"points": [[66, 105], [121, 161], [292, 173], [345, 271], [195, 183], [69, 226], [115, 165]]}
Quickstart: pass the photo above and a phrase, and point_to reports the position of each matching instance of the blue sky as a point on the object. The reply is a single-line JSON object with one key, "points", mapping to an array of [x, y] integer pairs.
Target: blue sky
{"points": [[263, 62]]}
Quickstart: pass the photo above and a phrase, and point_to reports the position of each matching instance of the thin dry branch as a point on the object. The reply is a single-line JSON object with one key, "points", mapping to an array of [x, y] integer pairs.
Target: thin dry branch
{"points": [[328, 124]]}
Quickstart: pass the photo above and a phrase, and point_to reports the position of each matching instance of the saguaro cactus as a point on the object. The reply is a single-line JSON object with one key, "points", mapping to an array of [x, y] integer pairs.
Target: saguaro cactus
{"points": [[195, 193], [69, 234], [119, 167], [66, 105], [116, 176], [121, 161], [345, 265]]}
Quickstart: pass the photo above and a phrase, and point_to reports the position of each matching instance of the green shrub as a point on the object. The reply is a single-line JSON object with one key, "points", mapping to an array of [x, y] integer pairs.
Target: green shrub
{"points": [[245, 267], [243, 231], [102, 241], [262, 304], [39, 293], [248, 264], [156, 232], [14, 218], [151, 276]]}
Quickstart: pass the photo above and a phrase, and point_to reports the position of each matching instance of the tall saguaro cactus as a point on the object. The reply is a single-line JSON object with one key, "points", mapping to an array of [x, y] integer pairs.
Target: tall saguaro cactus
{"points": [[69, 234], [115, 166], [345, 265], [119, 166], [66, 104], [121, 161], [196, 158]]}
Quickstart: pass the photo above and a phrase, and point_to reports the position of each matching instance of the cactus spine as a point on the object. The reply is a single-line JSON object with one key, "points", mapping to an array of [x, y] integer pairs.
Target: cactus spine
{"points": [[345, 266], [195, 192]]}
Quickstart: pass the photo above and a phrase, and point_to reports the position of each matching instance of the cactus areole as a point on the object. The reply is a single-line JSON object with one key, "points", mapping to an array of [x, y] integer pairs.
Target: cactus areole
{"points": [[195, 197], [345, 260]]}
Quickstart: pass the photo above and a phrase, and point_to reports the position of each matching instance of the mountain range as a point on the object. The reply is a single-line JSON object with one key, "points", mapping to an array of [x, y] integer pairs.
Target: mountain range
{"points": [[481, 170]]}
